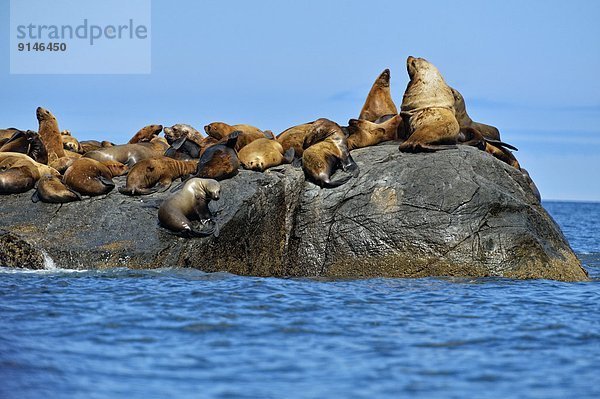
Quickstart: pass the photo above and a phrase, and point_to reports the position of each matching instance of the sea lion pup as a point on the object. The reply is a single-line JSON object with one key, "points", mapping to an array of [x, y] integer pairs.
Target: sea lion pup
{"points": [[428, 109], [51, 189], [293, 137], [16, 180], [364, 133], [247, 133], [129, 154], [13, 159], [156, 174], [146, 134], [191, 203], [29, 143], [90, 177], [70, 143], [464, 120], [325, 148], [49, 133], [263, 154], [379, 100]]}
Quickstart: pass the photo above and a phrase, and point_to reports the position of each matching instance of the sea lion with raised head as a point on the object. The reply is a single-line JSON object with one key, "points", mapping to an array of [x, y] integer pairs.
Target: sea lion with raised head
{"points": [[326, 149], [428, 109], [177, 212], [90, 177], [364, 133], [379, 100], [146, 134], [129, 154], [51, 189], [264, 153], [29, 143], [156, 174], [50, 133]]}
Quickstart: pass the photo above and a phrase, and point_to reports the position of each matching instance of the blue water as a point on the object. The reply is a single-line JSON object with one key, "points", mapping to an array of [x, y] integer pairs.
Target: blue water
{"points": [[176, 333]]}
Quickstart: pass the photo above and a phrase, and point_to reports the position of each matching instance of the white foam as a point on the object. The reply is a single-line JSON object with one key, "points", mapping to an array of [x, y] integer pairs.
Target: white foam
{"points": [[48, 261]]}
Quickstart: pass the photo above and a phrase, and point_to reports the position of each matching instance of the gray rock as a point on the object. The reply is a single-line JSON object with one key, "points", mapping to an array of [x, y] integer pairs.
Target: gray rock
{"points": [[451, 213]]}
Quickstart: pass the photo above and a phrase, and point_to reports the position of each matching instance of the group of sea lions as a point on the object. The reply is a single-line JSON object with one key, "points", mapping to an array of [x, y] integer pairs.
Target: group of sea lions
{"points": [[432, 117]]}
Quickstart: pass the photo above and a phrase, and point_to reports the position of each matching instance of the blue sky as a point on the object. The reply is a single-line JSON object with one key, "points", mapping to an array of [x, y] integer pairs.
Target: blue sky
{"points": [[529, 68]]}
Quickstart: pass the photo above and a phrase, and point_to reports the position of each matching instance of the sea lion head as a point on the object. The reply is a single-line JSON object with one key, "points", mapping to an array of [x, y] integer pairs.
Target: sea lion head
{"points": [[218, 130], [71, 143], [212, 189], [43, 114], [178, 131], [204, 188], [384, 78], [423, 69]]}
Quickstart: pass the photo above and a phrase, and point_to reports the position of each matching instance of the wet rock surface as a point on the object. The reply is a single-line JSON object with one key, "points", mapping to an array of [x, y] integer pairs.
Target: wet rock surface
{"points": [[451, 213]]}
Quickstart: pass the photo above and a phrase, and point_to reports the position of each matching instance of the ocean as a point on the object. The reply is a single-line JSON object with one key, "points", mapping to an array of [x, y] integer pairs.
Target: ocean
{"points": [[181, 333]]}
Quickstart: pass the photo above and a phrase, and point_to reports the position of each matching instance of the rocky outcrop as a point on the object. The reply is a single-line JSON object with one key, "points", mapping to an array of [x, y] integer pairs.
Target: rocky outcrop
{"points": [[451, 213]]}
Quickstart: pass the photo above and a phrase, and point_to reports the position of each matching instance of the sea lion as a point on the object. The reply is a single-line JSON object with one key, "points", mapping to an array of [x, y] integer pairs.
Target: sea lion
{"points": [[379, 100], [428, 109], [186, 142], [156, 174], [51, 189], [219, 161], [90, 177], [8, 133], [264, 153], [9, 159], [49, 133], [92, 145], [17, 180], [146, 134], [180, 130], [247, 133], [500, 150], [325, 148], [70, 143], [293, 137], [29, 143], [464, 120], [129, 154], [62, 164], [364, 133], [191, 203]]}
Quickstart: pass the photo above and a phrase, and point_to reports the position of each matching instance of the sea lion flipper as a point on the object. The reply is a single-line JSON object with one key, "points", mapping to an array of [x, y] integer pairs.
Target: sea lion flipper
{"points": [[499, 143], [351, 166], [179, 142], [35, 197], [232, 139], [288, 156], [335, 183], [106, 181]]}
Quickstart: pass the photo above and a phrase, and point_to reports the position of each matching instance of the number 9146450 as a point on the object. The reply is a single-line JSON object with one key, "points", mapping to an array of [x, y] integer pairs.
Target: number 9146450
{"points": [[42, 46]]}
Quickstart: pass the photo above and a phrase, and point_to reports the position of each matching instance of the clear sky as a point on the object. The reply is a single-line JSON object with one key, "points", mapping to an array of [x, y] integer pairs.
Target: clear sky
{"points": [[530, 68]]}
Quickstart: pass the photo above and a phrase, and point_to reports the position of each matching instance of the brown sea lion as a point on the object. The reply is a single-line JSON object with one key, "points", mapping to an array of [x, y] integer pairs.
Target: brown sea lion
{"points": [[62, 164], [130, 153], [219, 161], [51, 189], [29, 143], [364, 133], [247, 133], [70, 143], [9, 159], [379, 100], [90, 177], [18, 179], [190, 203], [293, 137], [326, 149], [428, 109], [156, 174], [50, 133], [146, 134], [464, 120], [264, 153]]}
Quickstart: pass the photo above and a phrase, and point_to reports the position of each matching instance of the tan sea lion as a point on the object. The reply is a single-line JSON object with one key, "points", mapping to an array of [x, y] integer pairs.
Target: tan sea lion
{"points": [[51, 189], [29, 143], [9, 159], [50, 133], [293, 137], [326, 149], [247, 133], [146, 134], [190, 203], [264, 153], [70, 143], [156, 174], [379, 100], [90, 177], [464, 120], [17, 180], [364, 133], [428, 109], [130, 153]]}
